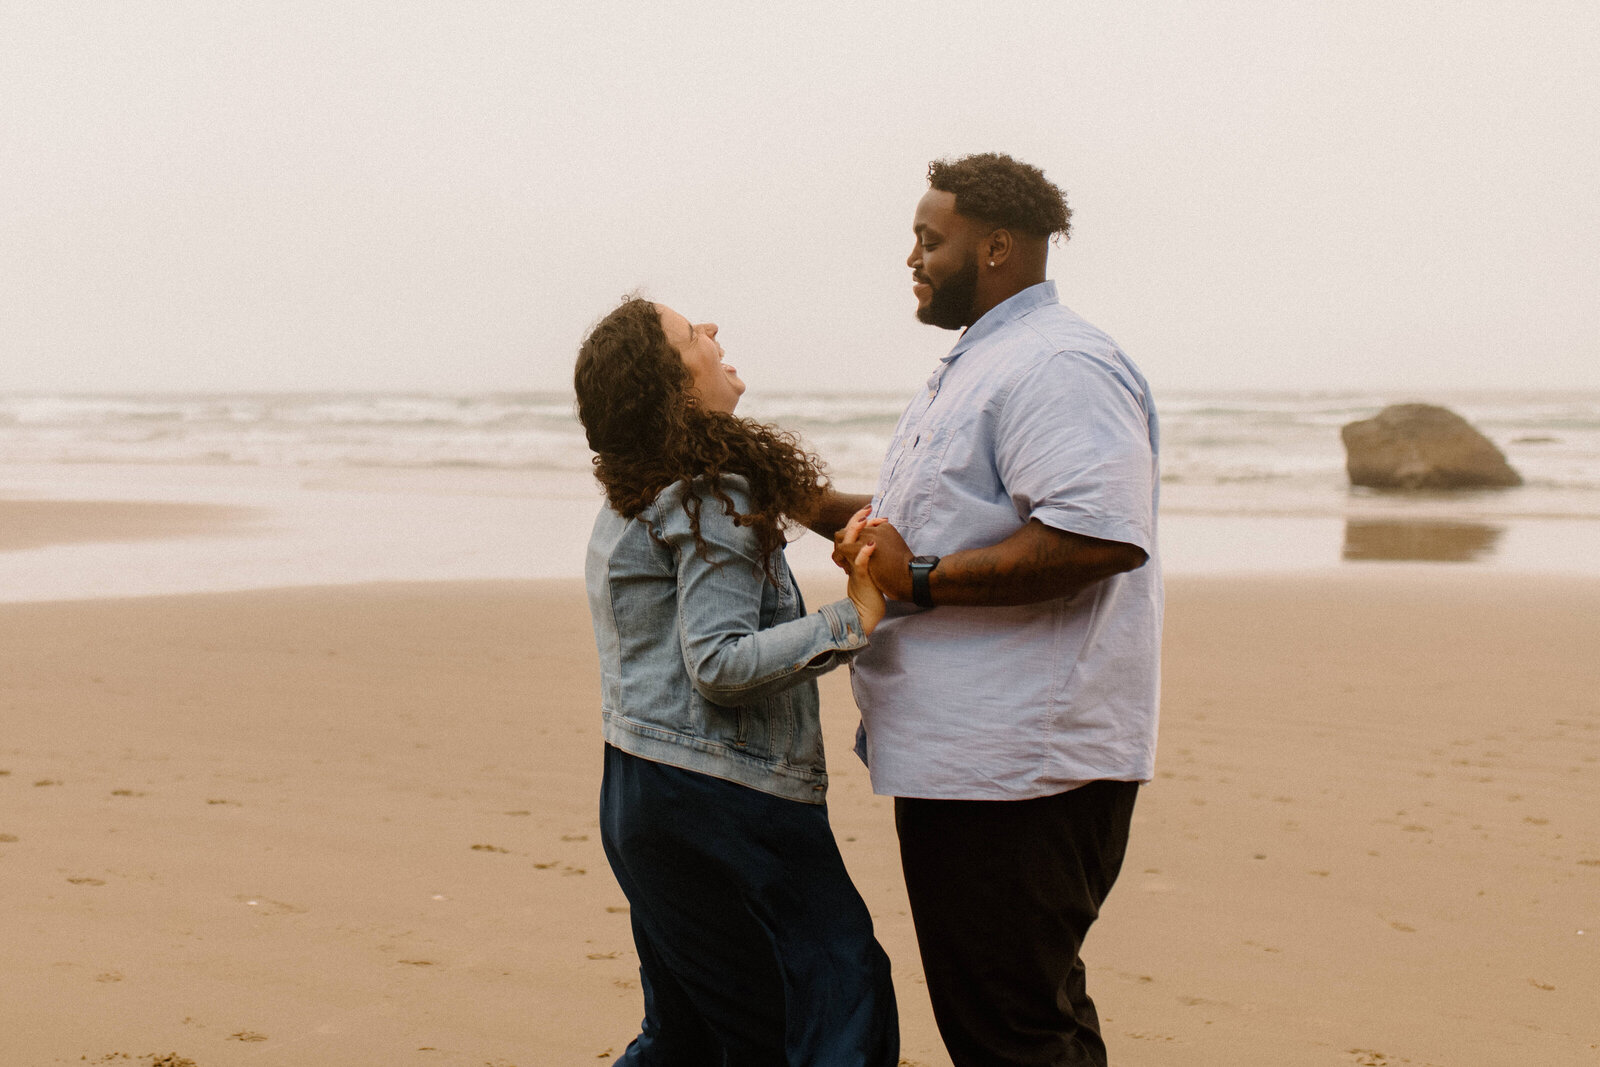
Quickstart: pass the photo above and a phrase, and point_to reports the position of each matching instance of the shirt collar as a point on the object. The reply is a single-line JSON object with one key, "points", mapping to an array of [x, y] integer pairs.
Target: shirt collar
{"points": [[1008, 310]]}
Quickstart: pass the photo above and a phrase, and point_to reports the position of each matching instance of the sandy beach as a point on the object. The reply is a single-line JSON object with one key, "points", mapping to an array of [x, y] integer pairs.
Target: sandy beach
{"points": [[300, 737], [353, 826]]}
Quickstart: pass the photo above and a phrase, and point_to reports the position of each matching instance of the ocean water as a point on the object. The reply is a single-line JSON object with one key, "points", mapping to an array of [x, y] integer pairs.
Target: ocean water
{"points": [[1250, 481], [1263, 453], [1255, 452]]}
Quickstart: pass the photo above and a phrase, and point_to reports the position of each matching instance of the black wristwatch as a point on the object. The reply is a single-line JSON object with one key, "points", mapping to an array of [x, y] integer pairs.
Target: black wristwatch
{"points": [[921, 567]]}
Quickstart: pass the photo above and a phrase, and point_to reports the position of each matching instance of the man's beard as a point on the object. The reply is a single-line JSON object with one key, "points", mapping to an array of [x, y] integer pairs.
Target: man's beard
{"points": [[950, 306]]}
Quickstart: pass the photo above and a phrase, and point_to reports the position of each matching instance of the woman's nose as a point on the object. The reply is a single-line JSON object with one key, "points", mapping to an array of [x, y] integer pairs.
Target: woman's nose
{"points": [[710, 328]]}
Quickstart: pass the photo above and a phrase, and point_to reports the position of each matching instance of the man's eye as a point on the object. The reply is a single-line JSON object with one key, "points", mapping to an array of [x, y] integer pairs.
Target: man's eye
{"points": [[929, 246]]}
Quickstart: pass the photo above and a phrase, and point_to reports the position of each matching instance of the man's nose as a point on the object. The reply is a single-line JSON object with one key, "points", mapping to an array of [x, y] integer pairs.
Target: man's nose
{"points": [[916, 255]]}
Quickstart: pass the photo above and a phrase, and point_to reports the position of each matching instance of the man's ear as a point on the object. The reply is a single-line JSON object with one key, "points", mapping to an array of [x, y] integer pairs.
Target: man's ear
{"points": [[997, 247]]}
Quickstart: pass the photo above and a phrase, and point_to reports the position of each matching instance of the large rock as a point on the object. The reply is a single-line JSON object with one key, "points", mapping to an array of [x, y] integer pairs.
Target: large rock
{"points": [[1420, 446]]}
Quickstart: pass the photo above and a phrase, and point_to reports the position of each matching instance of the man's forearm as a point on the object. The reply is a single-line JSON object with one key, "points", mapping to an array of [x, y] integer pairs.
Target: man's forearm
{"points": [[1035, 564], [836, 510]]}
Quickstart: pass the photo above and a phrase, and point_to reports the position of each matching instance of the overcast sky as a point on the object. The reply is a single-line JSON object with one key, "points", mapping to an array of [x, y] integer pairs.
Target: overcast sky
{"points": [[312, 194]]}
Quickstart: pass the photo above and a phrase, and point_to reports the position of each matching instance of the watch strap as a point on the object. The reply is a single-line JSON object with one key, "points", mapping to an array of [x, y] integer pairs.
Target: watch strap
{"points": [[921, 567]]}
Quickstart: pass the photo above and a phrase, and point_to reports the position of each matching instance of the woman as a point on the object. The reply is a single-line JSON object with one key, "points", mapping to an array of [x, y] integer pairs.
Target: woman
{"points": [[754, 946]]}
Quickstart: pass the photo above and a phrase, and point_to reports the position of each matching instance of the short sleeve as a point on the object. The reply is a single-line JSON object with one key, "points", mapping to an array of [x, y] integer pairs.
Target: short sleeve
{"points": [[1073, 449]]}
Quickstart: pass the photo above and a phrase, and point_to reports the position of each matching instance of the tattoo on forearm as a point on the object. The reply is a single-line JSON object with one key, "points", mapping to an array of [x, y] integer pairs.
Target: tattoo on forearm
{"points": [[1037, 563]]}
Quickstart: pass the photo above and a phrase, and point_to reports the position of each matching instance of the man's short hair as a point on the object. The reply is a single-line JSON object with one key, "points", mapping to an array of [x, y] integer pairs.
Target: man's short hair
{"points": [[1003, 192]]}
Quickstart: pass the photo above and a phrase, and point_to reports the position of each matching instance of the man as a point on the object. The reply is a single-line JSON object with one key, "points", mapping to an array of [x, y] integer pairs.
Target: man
{"points": [[1009, 698]]}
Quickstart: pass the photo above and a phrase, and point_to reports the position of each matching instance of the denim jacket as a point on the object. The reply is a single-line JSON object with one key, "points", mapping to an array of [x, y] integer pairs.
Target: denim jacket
{"points": [[704, 663]]}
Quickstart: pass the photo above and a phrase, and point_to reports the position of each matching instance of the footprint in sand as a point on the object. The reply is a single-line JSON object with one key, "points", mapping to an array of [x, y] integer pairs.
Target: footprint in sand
{"points": [[271, 907], [1140, 1035], [1263, 948]]}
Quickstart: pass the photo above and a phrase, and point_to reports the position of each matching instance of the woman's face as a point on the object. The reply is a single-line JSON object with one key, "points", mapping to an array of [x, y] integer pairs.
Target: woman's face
{"points": [[716, 385]]}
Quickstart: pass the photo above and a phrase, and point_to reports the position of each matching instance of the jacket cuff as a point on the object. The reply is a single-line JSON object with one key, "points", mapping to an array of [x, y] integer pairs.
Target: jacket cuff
{"points": [[844, 623]]}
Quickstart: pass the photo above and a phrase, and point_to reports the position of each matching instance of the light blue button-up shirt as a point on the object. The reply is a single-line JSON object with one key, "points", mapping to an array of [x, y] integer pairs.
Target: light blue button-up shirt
{"points": [[1034, 414]]}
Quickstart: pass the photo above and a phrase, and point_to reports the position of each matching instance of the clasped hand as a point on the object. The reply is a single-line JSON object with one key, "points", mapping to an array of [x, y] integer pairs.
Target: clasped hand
{"points": [[873, 554]]}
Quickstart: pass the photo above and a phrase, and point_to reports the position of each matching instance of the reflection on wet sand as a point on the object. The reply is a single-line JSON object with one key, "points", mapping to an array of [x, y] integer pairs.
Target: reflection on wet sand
{"points": [[1432, 541], [26, 524]]}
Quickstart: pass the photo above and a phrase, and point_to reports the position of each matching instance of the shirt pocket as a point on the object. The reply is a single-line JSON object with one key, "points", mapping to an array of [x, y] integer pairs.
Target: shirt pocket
{"points": [[914, 484]]}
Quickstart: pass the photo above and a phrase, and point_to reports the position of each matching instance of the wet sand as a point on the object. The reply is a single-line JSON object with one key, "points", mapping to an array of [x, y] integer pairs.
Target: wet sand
{"points": [[30, 524], [355, 825]]}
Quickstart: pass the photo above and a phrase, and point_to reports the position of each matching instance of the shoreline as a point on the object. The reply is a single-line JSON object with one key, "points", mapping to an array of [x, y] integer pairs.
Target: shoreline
{"points": [[356, 825], [32, 523], [91, 532]]}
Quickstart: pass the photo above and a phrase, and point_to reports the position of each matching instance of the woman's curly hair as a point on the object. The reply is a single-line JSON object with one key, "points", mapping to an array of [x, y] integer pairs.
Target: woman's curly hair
{"points": [[637, 406]]}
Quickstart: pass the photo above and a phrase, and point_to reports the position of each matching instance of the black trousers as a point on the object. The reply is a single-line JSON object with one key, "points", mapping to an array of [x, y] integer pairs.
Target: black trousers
{"points": [[1003, 894], [755, 950]]}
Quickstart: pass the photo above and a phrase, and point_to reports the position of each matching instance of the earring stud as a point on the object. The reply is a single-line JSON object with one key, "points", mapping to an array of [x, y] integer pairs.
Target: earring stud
{"points": [[991, 263]]}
